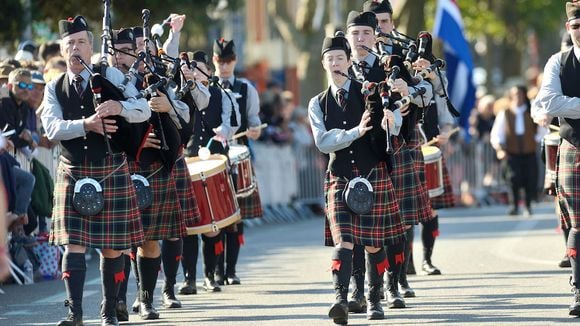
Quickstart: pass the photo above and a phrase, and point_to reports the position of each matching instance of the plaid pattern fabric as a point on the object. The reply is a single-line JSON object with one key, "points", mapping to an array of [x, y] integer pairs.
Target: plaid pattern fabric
{"points": [[117, 227], [381, 227], [422, 192], [446, 199], [251, 206], [405, 181], [163, 219], [568, 183], [185, 193]]}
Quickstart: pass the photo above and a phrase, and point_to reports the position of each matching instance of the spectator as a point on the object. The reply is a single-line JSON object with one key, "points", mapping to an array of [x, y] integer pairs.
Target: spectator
{"points": [[515, 137], [49, 50], [481, 120]]}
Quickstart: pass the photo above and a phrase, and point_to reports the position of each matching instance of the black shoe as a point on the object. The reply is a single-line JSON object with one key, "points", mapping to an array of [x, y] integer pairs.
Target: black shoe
{"points": [[574, 309], [136, 304], [188, 287], [429, 269], [394, 300], [357, 304], [71, 321], [407, 291], [513, 212], [233, 280], [147, 312], [211, 285], [122, 312], [219, 279], [565, 262], [169, 300], [339, 313], [109, 321]]}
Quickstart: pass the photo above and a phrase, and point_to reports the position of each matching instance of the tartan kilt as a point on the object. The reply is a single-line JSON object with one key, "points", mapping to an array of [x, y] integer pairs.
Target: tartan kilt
{"points": [[185, 193], [405, 182], [118, 226], [568, 183], [163, 219], [251, 206], [446, 199], [381, 227], [422, 192]]}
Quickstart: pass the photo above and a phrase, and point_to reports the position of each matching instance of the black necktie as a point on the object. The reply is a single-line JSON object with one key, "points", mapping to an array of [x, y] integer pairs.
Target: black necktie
{"points": [[226, 84], [78, 84], [341, 98]]}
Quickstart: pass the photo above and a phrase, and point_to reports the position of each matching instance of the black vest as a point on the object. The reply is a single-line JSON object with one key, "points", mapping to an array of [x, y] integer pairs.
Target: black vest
{"points": [[205, 121], [242, 88], [360, 152], [570, 79], [92, 147]]}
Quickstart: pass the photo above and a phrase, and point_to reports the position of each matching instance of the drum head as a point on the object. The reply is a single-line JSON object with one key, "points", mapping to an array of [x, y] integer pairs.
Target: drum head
{"points": [[430, 153], [209, 167], [238, 153], [552, 138]]}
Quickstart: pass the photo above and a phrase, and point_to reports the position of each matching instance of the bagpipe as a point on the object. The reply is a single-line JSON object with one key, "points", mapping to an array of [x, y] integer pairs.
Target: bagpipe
{"points": [[131, 137]]}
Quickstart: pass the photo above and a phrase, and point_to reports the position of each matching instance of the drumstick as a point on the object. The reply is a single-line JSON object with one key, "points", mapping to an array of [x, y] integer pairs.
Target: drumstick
{"points": [[555, 128], [451, 132], [244, 133]]}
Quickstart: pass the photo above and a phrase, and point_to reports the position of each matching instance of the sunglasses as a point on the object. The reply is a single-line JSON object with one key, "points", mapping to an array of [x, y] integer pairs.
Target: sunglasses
{"points": [[23, 85]]}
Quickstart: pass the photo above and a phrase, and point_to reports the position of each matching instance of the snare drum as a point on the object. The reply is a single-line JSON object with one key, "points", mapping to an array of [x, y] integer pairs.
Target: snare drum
{"points": [[551, 143], [433, 170], [242, 167], [214, 193]]}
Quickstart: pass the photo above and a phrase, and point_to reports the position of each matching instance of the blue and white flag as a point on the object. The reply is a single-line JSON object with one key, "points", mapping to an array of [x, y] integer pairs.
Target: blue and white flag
{"points": [[449, 29]]}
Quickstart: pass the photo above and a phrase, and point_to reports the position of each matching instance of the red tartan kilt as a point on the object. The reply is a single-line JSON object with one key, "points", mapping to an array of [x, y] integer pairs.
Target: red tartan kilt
{"points": [[251, 206], [163, 219], [185, 193], [405, 182], [117, 227], [568, 183], [381, 227], [422, 192], [446, 199]]}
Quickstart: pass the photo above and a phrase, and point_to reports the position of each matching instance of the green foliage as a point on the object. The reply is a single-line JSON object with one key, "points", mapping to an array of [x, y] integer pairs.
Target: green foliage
{"points": [[10, 29]]}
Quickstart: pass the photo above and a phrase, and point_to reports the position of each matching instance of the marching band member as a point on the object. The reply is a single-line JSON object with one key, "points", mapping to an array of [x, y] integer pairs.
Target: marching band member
{"points": [[225, 60], [559, 97], [342, 128], [70, 117], [212, 125]]}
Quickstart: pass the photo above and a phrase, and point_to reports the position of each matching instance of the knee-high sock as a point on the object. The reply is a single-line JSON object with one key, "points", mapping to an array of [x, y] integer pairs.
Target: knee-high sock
{"points": [[377, 263], [211, 249], [341, 268], [74, 269], [573, 248], [358, 270], [409, 235], [428, 234], [127, 271], [234, 241], [220, 258], [148, 271], [396, 258], [171, 254], [189, 256], [112, 275]]}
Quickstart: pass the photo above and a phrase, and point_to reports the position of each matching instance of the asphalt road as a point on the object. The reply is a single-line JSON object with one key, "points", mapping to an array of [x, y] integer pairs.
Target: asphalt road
{"points": [[496, 270]]}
